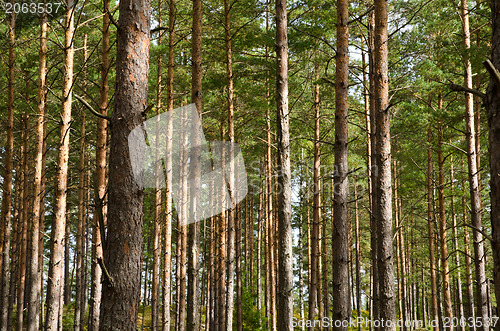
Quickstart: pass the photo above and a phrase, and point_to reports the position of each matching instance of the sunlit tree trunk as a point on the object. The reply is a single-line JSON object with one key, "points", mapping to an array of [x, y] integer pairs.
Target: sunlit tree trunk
{"points": [[55, 280], [385, 258], [479, 258], [123, 245], [285, 259], [35, 270]]}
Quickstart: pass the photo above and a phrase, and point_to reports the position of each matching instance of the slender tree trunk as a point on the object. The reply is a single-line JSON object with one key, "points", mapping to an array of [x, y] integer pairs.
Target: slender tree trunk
{"points": [[315, 285], [167, 258], [231, 213], [123, 245], [430, 222], [55, 280], [285, 261], [341, 298], [467, 257], [479, 257], [155, 300], [23, 239], [5, 225], [442, 223], [358, 253], [460, 303], [35, 270], [194, 228], [101, 186], [81, 225], [493, 107], [384, 207], [374, 173]]}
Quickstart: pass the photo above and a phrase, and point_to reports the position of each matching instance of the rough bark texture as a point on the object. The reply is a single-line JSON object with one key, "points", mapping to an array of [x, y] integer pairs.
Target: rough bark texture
{"points": [[285, 261], [340, 230], [493, 107], [194, 228], [430, 222], [123, 246], [55, 283], [35, 270], [385, 257]]}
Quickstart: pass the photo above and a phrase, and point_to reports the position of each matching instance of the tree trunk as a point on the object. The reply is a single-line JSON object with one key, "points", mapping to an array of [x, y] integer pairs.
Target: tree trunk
{"points": [[387, 309], [55, 279], [493, 107], [167, 258], [123, 245], [155, 310], [285, 262], [340, 249], [459, 301], [5, 225], [442, 223], [315, 285], [430, 222], [479, 257], [231, 213], [35, 270], [195, 168], [81, 225]]}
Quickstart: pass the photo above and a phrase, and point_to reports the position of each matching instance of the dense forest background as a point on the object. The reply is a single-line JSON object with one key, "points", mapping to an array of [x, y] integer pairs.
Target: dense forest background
{"points": [[367, 219]]}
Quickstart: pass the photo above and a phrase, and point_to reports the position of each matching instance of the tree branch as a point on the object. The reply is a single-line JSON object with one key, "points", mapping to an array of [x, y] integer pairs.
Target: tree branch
{"points": [[460, 88], [106, 273], [89, 107], [493, 72]]}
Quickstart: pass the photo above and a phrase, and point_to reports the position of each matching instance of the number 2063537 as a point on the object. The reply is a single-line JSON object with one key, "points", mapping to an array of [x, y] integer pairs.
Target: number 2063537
{"points": [[33, 8]]}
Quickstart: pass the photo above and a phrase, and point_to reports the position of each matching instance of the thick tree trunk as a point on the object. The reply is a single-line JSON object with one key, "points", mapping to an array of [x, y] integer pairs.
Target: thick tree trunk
{"points": [[385, 263], [340, 249], [55, 280], [493, 107], [123, 246], [285, 261]]}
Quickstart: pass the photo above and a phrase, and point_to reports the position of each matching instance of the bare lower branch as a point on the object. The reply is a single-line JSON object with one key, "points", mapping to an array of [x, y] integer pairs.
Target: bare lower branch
{"points": [[89, 107]]}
